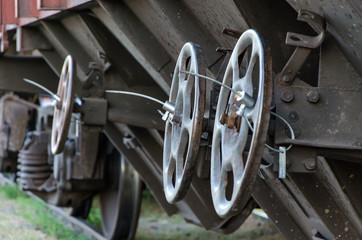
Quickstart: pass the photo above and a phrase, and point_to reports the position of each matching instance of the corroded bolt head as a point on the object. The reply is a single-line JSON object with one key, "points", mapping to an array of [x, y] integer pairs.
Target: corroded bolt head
{"points": [[310, 164], [287, 96], [285, 79], [313, 96], [59, 105]]}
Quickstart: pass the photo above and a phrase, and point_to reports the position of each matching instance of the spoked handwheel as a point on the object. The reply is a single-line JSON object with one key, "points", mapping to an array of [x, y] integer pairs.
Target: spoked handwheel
{"points": [[120, 201], [64, 106], [237, 150], [183, 131]]}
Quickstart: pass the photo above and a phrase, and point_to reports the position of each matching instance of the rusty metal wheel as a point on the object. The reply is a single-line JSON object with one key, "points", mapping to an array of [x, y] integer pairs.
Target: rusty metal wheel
{"points": [[64, 107], [120, 201], [237, 151], [183, 132]]}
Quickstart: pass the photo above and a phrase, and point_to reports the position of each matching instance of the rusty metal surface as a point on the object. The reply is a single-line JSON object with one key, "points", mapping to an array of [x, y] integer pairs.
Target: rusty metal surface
{"points": [[344, 20], [14, 119], [35, 172], [332, 121], [304, 44], [51, 4], [8, 12], [135, 44]]}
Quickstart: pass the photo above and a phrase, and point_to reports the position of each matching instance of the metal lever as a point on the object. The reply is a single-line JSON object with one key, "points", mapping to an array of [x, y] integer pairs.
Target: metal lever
{"points": [[304, 44], [282, 162]]}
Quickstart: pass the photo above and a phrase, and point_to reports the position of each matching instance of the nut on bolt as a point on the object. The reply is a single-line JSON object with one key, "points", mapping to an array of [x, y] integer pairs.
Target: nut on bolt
{"points": [[310, 163], [285, 79], [287, 96], [313, 96]]}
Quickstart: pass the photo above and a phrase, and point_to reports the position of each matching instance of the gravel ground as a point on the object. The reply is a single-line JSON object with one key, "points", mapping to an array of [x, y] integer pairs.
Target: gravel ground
{"points": [[253, 228], [154, 224]]}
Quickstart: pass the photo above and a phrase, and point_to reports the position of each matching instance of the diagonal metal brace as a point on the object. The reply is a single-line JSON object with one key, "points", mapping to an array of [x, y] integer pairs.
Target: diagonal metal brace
{"points": [[304, 44]]}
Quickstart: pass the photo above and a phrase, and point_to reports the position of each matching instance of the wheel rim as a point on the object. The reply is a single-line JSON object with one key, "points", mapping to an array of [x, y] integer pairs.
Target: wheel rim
{"points": [[64, 107], [182, 139], [232, 173], [83, 210], [120, 202]]}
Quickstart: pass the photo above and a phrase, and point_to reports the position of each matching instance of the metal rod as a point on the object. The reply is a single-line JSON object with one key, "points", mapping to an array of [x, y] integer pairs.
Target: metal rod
{"points": [[212, 80], [56, 97], [135, 94], [285, 122]]}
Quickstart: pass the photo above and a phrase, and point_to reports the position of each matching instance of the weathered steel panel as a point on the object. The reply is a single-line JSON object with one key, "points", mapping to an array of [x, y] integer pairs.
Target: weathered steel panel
{"points": [[51, 4], [8, 12]]}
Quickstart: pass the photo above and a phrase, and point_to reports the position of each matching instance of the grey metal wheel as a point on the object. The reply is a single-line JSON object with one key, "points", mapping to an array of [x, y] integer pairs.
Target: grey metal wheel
{"points": [[120, 201], [183, 134], [234, 165], [83, 210], [64, 107]]}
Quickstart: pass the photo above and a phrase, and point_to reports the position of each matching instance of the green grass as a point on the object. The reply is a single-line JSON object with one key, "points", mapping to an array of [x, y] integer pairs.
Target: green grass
{"points": [[154, 224], [94, 216], [37, 213]]}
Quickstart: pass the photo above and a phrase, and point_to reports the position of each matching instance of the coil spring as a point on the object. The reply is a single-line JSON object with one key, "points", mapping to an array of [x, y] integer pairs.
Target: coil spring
{"points": [[33, 166]]}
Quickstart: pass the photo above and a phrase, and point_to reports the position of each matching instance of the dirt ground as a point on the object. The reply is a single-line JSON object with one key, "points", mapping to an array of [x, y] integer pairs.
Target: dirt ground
{"points": [[154, 224], [253, 228]]}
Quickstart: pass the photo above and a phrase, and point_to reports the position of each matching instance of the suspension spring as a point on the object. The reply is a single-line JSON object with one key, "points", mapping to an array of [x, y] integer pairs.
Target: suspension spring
{"points": [[33, 166]]}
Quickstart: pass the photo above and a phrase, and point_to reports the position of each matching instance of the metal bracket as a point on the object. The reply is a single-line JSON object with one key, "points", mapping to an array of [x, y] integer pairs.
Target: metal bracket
{"points": [[93, 86], [130, 142], [94, 111], [232, 33], [304, 44]]}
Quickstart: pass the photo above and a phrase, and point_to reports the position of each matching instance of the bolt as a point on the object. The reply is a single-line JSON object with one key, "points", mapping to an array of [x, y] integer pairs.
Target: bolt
{"points": [[285, 79], [287, 96], [59, 105], [312, 96], [310, 164]]}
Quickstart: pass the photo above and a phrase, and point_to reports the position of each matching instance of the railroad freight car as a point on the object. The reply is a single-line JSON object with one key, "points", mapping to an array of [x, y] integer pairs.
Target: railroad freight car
{"points": [[218, 107]]}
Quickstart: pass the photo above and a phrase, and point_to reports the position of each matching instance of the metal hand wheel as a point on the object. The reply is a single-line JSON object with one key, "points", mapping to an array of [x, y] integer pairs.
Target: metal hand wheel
{"points": [[183, 130], [237, 151], [64, 106]]}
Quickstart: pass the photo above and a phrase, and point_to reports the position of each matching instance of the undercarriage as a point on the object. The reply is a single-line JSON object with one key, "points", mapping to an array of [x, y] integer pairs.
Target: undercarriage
{"points": [[218, 107]]}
